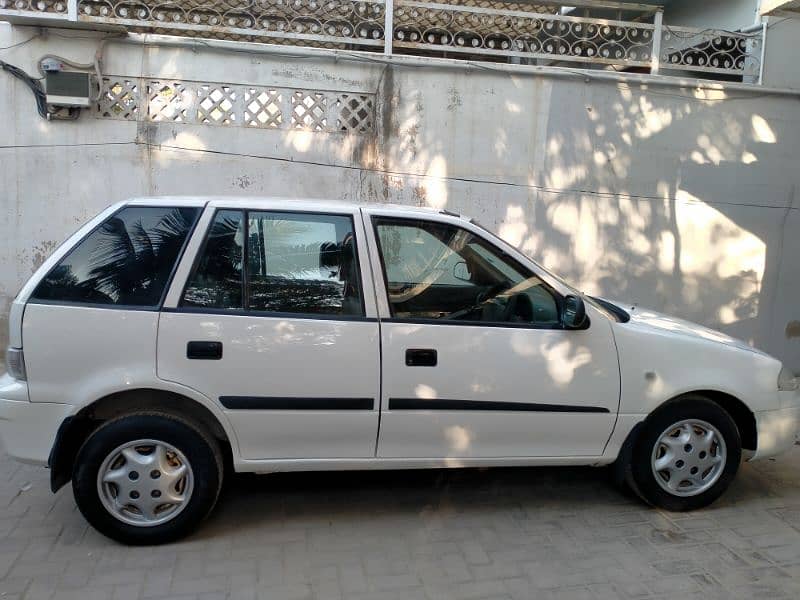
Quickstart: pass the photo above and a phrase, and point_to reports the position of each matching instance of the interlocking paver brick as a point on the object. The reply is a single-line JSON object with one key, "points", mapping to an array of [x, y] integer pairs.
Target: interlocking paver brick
{"points": [[515, 534]]}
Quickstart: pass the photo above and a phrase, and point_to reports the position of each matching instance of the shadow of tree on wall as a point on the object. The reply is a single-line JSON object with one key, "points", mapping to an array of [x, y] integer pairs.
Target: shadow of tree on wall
{"points": [[668, 198]]}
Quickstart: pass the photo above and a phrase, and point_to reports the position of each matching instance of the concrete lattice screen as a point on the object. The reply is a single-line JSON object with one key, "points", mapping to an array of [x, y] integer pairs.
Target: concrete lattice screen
{"points": [[231, 105]]}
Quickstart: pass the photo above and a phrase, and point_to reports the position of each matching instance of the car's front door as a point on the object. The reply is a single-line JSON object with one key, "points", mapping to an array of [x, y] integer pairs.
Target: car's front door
{"points": [[271, 320], [475, 362]]}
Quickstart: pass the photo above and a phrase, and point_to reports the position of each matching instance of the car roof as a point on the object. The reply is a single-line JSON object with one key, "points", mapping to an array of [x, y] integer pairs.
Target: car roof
{"points": [[290, 203]]}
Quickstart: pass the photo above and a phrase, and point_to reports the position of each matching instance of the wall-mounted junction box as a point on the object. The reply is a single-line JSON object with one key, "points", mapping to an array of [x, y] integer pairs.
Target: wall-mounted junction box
{"points": [[65, 88]]}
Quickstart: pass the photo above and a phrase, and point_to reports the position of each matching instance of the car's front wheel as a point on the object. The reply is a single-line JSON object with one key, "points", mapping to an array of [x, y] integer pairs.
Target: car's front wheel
{"points": [[147, 478], [686, 455]]}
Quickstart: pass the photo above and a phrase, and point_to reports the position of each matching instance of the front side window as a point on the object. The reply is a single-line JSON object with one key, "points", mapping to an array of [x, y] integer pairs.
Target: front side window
{"points": [[126, 261], [439, 271], [275, 262]]}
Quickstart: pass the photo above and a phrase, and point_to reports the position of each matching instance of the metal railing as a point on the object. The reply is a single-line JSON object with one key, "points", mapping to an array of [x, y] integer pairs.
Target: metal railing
{"points": [[486, 30]]}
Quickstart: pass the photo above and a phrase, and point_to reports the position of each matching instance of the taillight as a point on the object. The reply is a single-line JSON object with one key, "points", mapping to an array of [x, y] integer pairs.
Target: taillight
{"points": [[15, 363]]}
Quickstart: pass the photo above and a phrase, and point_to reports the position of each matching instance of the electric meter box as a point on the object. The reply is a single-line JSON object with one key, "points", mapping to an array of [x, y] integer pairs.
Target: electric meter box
{"points": [[65, 88]]}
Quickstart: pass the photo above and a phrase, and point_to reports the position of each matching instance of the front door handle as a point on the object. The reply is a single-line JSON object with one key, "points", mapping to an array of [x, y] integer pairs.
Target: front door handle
{"points": [[204, 350], [421, 357]]}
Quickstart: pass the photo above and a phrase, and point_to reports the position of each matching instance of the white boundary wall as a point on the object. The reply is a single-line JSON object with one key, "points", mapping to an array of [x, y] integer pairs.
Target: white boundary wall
{"points": [[671, 196]]}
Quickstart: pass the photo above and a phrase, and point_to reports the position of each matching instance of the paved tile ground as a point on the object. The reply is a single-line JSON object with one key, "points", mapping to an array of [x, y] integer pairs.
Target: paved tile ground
{"points": [[514, 534]]}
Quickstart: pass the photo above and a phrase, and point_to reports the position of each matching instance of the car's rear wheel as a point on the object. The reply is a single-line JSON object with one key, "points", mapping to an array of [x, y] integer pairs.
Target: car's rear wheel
{"points": [[147, 478], [686, 455]]}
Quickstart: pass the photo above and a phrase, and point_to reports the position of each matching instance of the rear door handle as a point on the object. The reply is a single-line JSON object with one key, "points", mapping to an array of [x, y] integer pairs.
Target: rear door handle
{"points": [[421, 357], [204, 350]]}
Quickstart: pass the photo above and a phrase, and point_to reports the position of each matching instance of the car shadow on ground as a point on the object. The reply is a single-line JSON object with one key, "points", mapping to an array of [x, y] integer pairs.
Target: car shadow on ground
{"points": [[298, 499]]}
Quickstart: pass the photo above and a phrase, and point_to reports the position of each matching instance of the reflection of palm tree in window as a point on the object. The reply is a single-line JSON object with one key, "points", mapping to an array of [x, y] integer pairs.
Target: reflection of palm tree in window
{"points": [[267, 236], [62, 277], [217, 280], [131, 264]]}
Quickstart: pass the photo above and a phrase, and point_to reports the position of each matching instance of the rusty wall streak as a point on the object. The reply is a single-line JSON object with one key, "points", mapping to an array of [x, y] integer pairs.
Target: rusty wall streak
{"points": [[145, 137], [3, 335], [388, 103], [41, 252]]}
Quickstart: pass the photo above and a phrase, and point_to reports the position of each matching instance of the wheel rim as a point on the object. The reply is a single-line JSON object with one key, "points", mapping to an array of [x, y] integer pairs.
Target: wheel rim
{"points": [[145, 482], [689, 457]]}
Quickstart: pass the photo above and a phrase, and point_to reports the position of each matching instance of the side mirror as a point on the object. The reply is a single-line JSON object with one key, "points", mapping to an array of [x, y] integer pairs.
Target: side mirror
{"points": [[461, 272], [573, 314]]}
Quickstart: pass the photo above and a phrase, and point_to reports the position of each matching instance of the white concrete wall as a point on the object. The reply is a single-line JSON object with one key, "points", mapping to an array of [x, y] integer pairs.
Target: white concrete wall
{"points": [[719, 14], [677, 199], [781, 67]]}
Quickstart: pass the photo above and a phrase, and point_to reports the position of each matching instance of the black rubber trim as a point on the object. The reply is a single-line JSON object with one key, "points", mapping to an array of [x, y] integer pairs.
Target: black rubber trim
{"points": [[499, 324], [623, 315], [70, 436], [440, 404], [77, 304], [199, 310], [278, 403]]}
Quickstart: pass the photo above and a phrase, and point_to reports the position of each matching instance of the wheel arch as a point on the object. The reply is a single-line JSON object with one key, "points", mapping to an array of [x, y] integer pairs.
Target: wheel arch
{"points": [[77, 428], [742, 416], [739, 411]]}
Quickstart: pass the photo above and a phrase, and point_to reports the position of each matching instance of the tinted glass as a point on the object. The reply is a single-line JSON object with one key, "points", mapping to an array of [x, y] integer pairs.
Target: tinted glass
{"points": [[302, 263], [126, 261], [439, 271], [217, 278]]}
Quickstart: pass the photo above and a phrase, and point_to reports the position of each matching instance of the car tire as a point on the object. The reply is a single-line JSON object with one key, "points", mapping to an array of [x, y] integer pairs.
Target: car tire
{"points": [[128, 465], [686, 454]]}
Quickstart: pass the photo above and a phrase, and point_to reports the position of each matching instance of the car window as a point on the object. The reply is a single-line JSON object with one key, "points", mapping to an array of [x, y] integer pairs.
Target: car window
{"points": [[125, 261], [413, 254], [301, 263], [443, 272], [217, 279]]}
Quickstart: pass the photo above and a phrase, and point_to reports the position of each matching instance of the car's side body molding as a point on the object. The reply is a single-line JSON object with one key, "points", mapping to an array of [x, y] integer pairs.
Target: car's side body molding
{"points": [[289, 403], [444, 404]]}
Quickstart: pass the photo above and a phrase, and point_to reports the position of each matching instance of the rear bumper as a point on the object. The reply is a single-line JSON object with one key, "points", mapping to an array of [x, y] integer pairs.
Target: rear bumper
{"points": [[28, 429], [778, 429]]}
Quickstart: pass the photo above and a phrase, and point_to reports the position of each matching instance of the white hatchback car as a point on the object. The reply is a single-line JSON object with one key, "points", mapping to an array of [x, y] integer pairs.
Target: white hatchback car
{"points": [[171, 338]]}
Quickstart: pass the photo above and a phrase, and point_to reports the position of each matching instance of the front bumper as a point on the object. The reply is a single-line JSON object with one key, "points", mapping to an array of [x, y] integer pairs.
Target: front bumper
{"points": [[28, 429], [778, 429]]}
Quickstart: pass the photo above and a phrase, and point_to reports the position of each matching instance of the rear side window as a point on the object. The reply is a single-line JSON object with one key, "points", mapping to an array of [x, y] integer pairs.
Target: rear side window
{"points": [[276, 262], [126, 261], [217, 281]]}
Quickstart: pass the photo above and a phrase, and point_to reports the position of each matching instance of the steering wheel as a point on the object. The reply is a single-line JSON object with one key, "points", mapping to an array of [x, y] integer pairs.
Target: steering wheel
{"points": [[482, 300], [489, 293], [519, 309]]}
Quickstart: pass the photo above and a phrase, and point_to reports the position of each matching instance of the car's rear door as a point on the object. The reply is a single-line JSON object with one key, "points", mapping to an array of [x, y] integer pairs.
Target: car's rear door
{"points": [[272, 315], [475, 362]]}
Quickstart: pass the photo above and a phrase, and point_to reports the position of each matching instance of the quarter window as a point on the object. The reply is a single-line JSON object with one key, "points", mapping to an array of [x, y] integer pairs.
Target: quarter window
{"points": [[126, 261], [439, 271], [301, 263]]}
